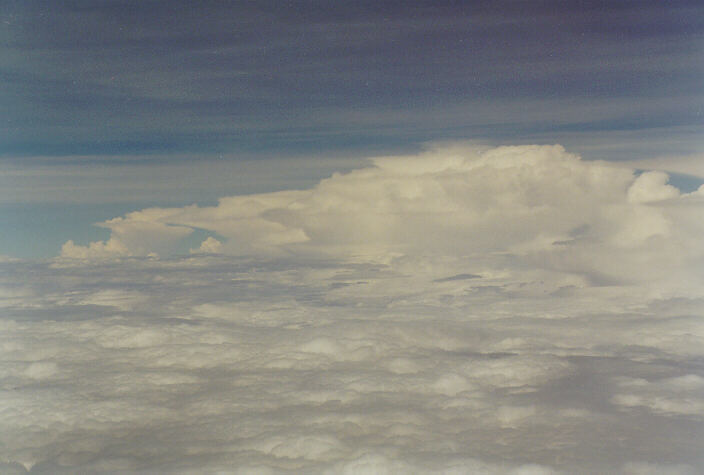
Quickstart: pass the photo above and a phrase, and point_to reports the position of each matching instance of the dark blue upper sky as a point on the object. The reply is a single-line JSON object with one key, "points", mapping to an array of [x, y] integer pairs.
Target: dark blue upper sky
{"points": [[144, 89], [144, 77]]}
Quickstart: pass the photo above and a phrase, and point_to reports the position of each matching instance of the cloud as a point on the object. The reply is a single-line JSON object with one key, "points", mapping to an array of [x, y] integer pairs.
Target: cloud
{"points": [[465, 310], [677, 395], [526, 206], [658, 469], [689, 164], [138, 233], [651, 187], [207, 362], [209, 245]]}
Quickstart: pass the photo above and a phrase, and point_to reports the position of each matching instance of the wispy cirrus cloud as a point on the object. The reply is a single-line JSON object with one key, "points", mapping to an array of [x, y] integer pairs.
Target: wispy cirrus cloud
{"points": [[136, 78]]}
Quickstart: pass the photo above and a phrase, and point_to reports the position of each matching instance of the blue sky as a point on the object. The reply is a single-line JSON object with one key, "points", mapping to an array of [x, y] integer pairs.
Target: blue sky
{"points": [[101, 94]]}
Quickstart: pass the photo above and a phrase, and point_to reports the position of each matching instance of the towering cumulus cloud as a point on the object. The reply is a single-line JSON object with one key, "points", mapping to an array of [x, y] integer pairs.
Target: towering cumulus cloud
{"points": [[464, 310]]}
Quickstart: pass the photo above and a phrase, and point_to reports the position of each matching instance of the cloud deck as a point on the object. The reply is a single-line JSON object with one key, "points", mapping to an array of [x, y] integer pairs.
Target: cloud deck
{"points": [[554, 327]]}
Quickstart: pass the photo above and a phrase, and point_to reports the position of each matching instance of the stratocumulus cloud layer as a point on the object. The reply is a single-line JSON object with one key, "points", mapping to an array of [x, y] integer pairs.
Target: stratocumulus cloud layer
{"points": [[465, 310]]}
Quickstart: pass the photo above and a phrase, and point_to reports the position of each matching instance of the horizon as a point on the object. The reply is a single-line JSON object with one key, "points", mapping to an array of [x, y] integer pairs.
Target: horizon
{"points": [[352, 237]]}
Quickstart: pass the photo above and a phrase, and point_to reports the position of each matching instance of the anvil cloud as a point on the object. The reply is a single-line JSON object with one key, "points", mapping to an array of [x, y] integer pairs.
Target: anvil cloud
{"points": [[517, 206]]}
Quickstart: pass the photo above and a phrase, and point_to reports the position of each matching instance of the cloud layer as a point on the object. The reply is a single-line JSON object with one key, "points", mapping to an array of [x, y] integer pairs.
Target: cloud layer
{"points": [[218, 364], [467, 310]]}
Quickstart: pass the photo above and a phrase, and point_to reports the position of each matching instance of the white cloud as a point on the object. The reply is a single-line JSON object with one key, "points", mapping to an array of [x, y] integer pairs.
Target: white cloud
{"points": [[95, 250], [688, 164], [650, 187], [139, 233], [533, 207], [675, 395], [208, 362], [469, 310], [644, 468], [210, 245]]}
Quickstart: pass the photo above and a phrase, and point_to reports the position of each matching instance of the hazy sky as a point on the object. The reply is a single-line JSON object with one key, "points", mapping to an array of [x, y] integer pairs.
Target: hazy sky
{"points": [[109, 106], [352, 237]]}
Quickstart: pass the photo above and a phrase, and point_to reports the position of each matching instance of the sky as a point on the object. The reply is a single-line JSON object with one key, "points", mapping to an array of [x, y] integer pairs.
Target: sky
{"points": [[352, 237], [112, 106]]}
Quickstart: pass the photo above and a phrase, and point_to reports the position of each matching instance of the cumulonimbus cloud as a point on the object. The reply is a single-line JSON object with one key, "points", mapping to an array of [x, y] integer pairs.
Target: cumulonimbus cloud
{"points": [[538, 206], [463, 310]]}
